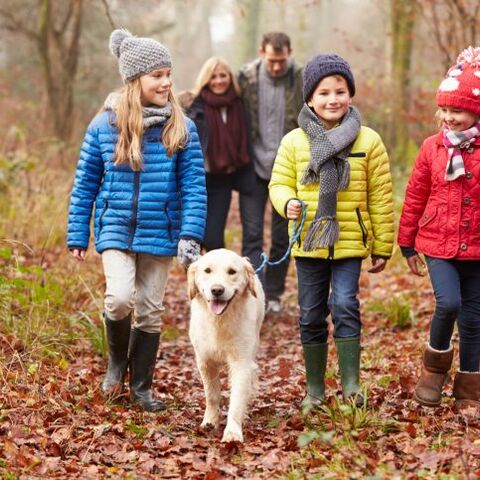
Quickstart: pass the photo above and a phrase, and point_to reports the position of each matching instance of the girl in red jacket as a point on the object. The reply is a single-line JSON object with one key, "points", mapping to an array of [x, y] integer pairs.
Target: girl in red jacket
{"points": [[441, 219]]}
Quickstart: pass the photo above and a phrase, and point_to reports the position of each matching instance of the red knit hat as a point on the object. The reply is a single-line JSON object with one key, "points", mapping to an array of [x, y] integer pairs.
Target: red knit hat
{"points": [[461, 86]]}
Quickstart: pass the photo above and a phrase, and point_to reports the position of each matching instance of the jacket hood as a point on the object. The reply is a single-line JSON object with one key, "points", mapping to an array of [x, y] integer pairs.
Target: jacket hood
{"points": [[111, 102]]}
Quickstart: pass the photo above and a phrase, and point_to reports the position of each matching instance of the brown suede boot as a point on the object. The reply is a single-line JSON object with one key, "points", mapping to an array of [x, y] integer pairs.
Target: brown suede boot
{"points": [[466, 390], [436, 365]]}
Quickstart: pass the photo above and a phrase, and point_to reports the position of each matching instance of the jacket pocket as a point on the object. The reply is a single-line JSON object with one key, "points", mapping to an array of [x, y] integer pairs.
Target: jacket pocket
{"points": [[100, 219], [363, 228], [427, 217]]}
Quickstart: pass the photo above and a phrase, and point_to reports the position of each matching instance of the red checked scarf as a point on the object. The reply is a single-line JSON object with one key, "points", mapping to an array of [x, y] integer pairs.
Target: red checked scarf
{"points": [[227, 142], [454, 142]]}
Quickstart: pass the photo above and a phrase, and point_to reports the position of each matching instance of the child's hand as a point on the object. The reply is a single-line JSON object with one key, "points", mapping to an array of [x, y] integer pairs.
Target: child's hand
{"points": [[378, 264], [78, 254], [294, 209], [416, 265]]}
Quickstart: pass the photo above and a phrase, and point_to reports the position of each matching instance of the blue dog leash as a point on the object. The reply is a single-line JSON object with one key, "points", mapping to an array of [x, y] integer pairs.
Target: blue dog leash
{"points": [[297, 231]]}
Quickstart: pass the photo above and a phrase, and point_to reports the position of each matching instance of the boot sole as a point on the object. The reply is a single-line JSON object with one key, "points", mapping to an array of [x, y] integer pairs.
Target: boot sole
{"points": [[426, 403], [150, 409], [358, 399], [313, 403], [116, 390]]}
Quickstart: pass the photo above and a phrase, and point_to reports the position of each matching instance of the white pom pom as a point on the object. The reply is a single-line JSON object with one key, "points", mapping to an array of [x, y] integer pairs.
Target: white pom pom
{"points": [[476, 91], [470, 55], [116, 39], [449, 85]]}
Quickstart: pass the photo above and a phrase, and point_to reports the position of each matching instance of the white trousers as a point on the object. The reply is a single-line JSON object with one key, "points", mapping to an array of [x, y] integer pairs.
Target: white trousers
{"points": [[135, 282]]}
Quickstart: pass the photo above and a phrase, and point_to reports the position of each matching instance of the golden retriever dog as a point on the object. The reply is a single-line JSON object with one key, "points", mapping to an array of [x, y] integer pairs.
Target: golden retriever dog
{"points": [[227, 311]]}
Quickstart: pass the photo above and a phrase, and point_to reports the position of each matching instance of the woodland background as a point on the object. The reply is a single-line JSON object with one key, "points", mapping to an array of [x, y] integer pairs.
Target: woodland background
{"points": [[55, 72]]}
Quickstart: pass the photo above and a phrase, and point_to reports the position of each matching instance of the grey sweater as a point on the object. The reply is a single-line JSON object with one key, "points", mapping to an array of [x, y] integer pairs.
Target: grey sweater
{"points": [[271, 121]]}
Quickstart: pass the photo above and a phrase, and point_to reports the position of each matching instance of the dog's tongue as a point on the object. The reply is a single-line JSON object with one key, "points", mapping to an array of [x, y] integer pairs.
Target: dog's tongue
{"points": [[218, 306]]}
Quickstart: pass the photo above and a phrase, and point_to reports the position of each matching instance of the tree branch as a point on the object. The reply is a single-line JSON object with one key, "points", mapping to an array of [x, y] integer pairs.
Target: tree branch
{"points": [[72, 47], [108, 13], [16, 25], [68, 16]]}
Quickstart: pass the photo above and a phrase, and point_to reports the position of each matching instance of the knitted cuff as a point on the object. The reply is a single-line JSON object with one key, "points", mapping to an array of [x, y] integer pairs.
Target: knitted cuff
{"points": [[408, 251]]}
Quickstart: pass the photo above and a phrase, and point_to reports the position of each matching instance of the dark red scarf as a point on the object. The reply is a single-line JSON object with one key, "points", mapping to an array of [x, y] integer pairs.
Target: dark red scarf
{"points": [[227, 142]]}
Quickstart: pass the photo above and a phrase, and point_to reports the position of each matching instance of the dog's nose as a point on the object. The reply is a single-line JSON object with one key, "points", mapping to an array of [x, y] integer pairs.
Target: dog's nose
{"points": [[217, 290]]}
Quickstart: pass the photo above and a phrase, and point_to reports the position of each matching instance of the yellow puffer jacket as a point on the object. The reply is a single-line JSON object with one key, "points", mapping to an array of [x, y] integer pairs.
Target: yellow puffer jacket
{"points": [[364, 210]]}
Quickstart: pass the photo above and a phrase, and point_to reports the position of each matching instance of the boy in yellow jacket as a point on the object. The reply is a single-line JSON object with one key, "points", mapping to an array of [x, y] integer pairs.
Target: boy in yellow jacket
{"points": [[340, 170]]}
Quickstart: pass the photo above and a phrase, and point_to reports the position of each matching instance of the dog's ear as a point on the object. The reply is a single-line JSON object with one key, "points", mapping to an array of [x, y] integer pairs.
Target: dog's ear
{"points": [[250, 277], [192, 286]]}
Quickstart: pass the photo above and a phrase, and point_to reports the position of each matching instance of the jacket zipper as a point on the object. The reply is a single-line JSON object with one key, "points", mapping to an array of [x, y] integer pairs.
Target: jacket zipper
{"points": [[362, 227], [169, 227], [331, 251], [133, 224], [100, 220]]}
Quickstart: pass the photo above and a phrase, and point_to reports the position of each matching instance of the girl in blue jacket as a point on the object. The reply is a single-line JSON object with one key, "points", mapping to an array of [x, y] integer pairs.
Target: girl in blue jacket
{"points": [[141, 165]]}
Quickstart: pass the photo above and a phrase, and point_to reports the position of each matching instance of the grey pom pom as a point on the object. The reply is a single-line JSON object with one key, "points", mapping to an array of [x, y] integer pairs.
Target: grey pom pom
{"points": [[116, 39]]}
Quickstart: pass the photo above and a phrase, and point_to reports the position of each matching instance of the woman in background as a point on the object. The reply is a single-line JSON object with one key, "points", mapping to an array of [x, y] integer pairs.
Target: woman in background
{"points": [[215, 107]]}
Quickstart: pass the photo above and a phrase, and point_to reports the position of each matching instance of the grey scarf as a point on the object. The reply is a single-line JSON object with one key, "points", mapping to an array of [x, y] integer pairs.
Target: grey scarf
{"points": [[152, 115], [329, 168]]}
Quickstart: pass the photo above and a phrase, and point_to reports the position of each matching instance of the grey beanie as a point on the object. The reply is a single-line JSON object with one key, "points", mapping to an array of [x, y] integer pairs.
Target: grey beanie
{"points": [[322, 66], [137, 55]]}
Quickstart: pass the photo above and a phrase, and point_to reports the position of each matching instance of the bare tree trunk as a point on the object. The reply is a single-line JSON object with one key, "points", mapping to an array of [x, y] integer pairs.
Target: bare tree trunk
{"points": [[249, 28], [403, 14], [58, 47], [57, 36]]}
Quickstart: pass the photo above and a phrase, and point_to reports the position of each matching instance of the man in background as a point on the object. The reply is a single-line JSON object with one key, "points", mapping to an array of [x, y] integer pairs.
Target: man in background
{"points": [[271, 90]]}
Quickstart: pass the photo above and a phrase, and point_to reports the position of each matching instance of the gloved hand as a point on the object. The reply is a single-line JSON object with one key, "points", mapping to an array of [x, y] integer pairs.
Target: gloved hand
{"points": [[188, 251]]}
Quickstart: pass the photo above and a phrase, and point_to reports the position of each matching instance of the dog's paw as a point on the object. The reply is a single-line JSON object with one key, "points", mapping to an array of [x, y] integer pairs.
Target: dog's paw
{"points": [[232, 433], [210, 419], [208, 424]]}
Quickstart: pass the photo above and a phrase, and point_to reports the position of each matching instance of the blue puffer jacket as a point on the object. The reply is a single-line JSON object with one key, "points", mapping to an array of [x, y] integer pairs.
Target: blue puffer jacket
{"points": [[145, 211]]}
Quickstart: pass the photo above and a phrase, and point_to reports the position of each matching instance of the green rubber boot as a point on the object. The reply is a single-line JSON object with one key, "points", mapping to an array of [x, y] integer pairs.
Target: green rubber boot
{"points": [[348, 352], [315, 355]]}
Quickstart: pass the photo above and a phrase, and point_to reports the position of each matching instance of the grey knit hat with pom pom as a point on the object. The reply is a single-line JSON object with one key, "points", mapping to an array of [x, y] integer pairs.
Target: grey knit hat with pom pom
{"points": [[137, 56]]}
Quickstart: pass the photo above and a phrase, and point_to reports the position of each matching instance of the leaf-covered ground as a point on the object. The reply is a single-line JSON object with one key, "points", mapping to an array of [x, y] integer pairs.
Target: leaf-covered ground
{"points": [[55, 424]]}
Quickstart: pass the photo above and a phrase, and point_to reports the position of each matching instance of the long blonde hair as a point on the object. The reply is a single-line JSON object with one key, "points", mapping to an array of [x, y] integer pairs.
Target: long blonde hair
{"points": [[439, 117], [130, 125], [206, 73]]}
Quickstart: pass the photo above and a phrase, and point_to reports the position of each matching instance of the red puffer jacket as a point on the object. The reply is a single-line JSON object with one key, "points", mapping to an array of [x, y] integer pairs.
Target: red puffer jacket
{"points": [[442, 218]]}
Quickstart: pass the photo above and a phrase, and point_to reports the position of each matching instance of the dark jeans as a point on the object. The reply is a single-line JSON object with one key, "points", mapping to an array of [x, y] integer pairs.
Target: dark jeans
{"points": [[219, 195], [456, 285], [252, 207], [315, 278]]}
